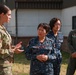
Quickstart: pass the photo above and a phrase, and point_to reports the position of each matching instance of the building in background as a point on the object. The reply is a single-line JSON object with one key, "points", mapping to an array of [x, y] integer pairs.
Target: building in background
{"points": [[27, 14]]}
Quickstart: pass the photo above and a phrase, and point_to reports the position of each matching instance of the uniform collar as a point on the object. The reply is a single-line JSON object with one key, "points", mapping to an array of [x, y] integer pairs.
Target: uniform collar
{"points": [[50, 33], [46, 38], [2, 27]]}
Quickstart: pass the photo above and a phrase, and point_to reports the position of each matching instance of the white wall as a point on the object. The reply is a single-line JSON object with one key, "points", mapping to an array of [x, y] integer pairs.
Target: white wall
{"points": [[28, 20], [67, 19]]}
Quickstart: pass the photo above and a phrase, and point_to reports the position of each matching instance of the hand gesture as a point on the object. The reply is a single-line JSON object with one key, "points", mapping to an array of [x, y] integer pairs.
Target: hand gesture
{"points": [[74, 55], [18, 45], [42, 57], [17, 48]]}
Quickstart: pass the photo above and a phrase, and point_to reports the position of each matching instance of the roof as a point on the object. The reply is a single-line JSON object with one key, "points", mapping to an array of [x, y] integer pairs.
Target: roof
{"points": [[39, 4], [38, 0]]}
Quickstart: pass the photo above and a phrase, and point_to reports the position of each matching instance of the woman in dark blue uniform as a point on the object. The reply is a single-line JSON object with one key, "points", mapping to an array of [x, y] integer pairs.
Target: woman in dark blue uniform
{"points": [[40, 52], [57, 38]]}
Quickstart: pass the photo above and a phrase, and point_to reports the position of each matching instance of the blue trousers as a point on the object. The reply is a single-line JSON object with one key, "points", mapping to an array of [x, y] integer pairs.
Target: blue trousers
{"points": [[57, 66]]}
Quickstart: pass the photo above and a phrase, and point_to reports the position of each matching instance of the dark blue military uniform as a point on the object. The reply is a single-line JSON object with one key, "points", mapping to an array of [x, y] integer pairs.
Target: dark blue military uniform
{"points": [[57, 45], [36, 48]]}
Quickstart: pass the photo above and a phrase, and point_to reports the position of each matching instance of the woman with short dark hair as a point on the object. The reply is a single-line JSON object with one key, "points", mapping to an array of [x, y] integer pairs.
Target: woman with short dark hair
{"points": [[40, 52]]}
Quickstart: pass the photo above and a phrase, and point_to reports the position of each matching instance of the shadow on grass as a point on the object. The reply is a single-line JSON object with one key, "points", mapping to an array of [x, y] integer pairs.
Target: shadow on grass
{"points": [[65, 57], [20, 58]]}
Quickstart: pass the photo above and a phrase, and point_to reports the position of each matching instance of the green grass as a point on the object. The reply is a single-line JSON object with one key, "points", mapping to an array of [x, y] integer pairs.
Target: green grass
{"points": [[21, 64], [20, 58], [65, 57]]}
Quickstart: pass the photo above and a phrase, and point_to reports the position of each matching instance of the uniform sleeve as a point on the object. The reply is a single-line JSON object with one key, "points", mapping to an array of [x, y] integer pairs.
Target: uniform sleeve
{"points": [[3, 49], [51, 54], [0, 43], [72, 50], [28, 51], [52, 57]]}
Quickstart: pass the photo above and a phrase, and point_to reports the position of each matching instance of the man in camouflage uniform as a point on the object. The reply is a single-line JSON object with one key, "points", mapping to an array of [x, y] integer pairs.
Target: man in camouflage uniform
{"points": [[72, 47]]}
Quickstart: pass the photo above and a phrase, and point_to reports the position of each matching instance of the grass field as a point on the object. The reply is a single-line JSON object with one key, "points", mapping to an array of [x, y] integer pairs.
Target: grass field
{"points": [[21, 65]]}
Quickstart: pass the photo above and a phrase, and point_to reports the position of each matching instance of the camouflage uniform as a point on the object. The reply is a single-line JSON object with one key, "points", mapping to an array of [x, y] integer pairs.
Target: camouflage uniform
{"points": [[5, 52], [36, 48], [57, 45], [72, 47]]}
